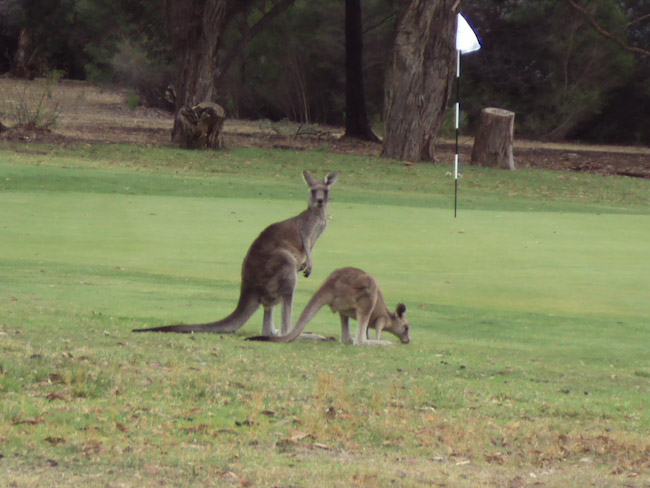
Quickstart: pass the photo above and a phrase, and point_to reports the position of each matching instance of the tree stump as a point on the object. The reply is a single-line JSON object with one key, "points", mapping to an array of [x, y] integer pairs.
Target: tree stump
{"points": [[199, 126], [494, 139]]}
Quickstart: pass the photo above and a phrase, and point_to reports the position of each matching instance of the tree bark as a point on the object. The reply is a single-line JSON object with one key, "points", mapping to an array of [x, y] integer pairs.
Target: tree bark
{"points": [[419, 78], [356, 118], [494, 139], [20, 63], [195, 29]]}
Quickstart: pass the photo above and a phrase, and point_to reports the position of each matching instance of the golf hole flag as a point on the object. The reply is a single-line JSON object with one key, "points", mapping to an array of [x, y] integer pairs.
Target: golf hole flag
{"points": [[466, 42], [466, 39]]}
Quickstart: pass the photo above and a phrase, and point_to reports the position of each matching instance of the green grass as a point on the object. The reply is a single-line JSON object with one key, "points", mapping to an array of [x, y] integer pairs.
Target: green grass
{"points": [[529, 357]]}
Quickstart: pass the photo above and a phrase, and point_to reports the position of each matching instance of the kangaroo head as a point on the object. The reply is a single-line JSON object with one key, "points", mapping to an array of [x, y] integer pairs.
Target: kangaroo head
{"points": [[320, 194], [399, 325]]}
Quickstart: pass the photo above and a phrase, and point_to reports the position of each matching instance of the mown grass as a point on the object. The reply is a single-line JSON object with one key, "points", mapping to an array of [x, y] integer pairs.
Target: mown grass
{"points": [[528, 365]]}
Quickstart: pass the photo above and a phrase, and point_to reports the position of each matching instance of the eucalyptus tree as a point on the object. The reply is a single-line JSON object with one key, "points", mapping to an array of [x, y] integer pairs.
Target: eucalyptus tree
{"points": [[419, 79]]}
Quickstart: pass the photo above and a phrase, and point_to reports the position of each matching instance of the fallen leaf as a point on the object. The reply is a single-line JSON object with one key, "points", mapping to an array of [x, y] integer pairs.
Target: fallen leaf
{"points": [[298, 435], [55, 378], [53, 395], [516, 482], [232, 475], [285, 445], [92, 447], [55, 441], [35, 421], [197, 428], [247, 423]]}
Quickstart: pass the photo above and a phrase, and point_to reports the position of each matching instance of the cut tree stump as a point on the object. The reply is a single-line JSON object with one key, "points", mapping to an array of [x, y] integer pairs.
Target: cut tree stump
{"points": [[494, 139], [199, 126]]}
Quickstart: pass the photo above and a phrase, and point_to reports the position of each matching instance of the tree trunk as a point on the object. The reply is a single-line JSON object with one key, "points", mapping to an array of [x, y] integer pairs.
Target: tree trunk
{"points": [[195, 29], [20, 63], [419, 79], [494, 139], [356, 119]]}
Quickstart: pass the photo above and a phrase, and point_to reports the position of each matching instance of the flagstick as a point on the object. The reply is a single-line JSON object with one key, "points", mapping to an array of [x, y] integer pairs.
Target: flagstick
{"points": [[456, 159], [466, 42]]}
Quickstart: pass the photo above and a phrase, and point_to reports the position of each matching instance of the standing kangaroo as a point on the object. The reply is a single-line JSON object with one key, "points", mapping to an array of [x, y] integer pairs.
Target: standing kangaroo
{"points": [[352, 293], [271, 266]]}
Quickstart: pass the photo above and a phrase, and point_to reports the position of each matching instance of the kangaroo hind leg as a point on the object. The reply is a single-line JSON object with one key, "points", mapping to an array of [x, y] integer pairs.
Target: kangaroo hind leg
{"points": [[287, 312], [346, 337], [268, 327], [362, 333]]}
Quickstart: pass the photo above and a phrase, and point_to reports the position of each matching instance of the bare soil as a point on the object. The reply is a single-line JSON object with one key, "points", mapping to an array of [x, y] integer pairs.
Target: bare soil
{"points": [[91, 114]]}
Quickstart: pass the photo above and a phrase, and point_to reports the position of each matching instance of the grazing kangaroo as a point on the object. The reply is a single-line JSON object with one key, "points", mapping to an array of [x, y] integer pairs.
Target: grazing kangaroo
{"points": [[271, 266], [352, 293]]}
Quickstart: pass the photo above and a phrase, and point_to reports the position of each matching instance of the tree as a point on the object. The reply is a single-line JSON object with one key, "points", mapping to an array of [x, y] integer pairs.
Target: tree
{"points": [[419, 79], [623, 117], [294, 69], [196, 30], [20, 65], [544, 61], [356, 120]]}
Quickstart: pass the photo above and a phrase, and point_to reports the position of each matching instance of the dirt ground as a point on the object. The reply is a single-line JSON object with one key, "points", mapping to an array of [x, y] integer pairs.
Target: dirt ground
{"points": [[90, 114]]}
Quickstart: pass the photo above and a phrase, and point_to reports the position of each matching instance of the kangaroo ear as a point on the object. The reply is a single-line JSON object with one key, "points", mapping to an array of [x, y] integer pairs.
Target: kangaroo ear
{"points": [[401, 310], [331, 178], [309, 179]]}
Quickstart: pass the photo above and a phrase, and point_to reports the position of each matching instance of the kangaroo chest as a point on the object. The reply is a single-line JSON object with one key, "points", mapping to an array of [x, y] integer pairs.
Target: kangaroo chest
{"points": [[314, 228]]}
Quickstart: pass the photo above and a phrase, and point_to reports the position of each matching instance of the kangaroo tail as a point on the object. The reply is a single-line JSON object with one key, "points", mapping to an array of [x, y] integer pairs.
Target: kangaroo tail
{"points": [[245, 309], [318, 301]]}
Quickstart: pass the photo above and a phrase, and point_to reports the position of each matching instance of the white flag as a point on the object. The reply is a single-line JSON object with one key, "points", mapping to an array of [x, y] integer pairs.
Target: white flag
{"points": [[466, 40]]}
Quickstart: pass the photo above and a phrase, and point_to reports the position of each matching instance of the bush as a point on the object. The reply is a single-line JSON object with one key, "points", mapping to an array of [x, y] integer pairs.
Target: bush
{"points": [[35, 105], [149, 79]]}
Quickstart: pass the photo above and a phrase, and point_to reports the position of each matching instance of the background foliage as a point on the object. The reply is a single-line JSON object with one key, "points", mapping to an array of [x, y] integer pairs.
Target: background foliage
{"points": [[541, 59]]}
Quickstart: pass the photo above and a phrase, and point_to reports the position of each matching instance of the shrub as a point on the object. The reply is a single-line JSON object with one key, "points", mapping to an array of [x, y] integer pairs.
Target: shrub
{"points": [[35, 105], [149, 78]]}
